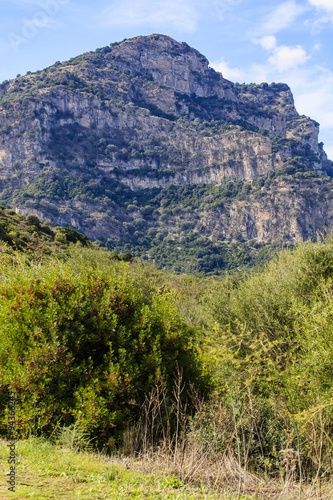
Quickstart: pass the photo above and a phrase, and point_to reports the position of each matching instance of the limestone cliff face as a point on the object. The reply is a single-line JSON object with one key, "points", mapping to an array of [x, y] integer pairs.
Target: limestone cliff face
{"points": [[223, 160], [172, 64], [84, 140], [292, 211]]}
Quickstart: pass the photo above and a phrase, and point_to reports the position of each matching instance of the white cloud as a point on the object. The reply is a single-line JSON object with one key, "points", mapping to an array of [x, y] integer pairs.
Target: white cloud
{"points": [[267, 42], [313, 92], [322, 4], [46, 5], [325, 11], [177, 14], [314, 89], [233, 74], [285, 58], [282, 17]]}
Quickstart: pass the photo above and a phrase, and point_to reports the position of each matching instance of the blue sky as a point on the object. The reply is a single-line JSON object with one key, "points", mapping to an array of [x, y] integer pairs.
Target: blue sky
{"points": [[247, 40]]}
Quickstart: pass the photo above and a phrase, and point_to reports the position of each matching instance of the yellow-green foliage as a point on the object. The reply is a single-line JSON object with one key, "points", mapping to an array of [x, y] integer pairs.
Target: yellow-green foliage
{"points": [[270, 337]]}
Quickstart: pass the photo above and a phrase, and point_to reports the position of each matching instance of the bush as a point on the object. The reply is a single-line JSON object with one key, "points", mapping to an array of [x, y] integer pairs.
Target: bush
{"points": [[82, 348], [272, 334]]}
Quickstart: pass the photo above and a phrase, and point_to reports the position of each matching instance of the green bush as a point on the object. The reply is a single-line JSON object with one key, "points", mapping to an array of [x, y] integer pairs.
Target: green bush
{"points": [[82, 347], [271, 337]]}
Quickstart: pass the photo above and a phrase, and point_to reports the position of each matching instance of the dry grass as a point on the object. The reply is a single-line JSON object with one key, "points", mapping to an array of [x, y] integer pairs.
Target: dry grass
{"points": [[223, 476], [194, 455], [46, 471], [206, 457]]}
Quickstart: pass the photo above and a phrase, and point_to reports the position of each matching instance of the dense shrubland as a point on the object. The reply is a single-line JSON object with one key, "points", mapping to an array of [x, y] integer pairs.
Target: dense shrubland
{"points": [[33, 236], [82, 346], [207, 369]]}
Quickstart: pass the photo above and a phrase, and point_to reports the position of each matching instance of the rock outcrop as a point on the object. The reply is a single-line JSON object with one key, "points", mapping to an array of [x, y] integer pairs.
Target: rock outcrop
{"points": [[97, 142]]}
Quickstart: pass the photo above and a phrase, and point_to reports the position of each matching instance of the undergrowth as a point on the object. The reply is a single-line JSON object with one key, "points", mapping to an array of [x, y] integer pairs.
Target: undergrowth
{"points": [[228, 383]]}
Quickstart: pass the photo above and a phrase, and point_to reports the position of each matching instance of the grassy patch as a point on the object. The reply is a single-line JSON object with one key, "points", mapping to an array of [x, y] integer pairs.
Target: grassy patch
{"points": [[48, 471]]}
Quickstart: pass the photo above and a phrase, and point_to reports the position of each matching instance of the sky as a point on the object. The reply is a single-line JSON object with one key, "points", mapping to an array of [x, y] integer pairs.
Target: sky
{"points": [[246, 40]]}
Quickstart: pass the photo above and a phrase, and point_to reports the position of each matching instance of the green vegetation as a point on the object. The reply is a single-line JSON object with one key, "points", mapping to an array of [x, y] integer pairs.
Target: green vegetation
{"points": [[166, 227], [32, 236], [205, 372], [101, 346], [54, 471], [221, 377]]}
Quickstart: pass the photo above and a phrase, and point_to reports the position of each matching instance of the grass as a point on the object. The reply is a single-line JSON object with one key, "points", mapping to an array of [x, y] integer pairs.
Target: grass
{"points": [[45, 471]]}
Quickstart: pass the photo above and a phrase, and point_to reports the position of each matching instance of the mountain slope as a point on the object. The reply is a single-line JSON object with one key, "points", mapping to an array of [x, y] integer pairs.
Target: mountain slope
{"points": [[34, 238], [144, 147]]}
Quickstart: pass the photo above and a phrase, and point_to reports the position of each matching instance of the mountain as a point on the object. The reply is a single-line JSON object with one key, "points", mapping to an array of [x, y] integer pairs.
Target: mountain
{"points": [[142, 146]]}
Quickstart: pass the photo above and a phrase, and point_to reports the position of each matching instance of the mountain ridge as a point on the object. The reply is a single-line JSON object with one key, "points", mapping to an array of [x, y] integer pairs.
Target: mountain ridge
{"points": [[109, 143]]}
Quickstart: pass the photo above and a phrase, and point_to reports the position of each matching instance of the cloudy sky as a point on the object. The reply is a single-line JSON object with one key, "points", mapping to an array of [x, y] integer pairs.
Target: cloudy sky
{"points": [[247, 40]]}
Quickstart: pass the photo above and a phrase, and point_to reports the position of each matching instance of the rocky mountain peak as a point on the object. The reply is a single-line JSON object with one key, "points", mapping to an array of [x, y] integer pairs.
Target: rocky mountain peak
{"points": [[145, 48], [144, 147], [172, 64]]}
